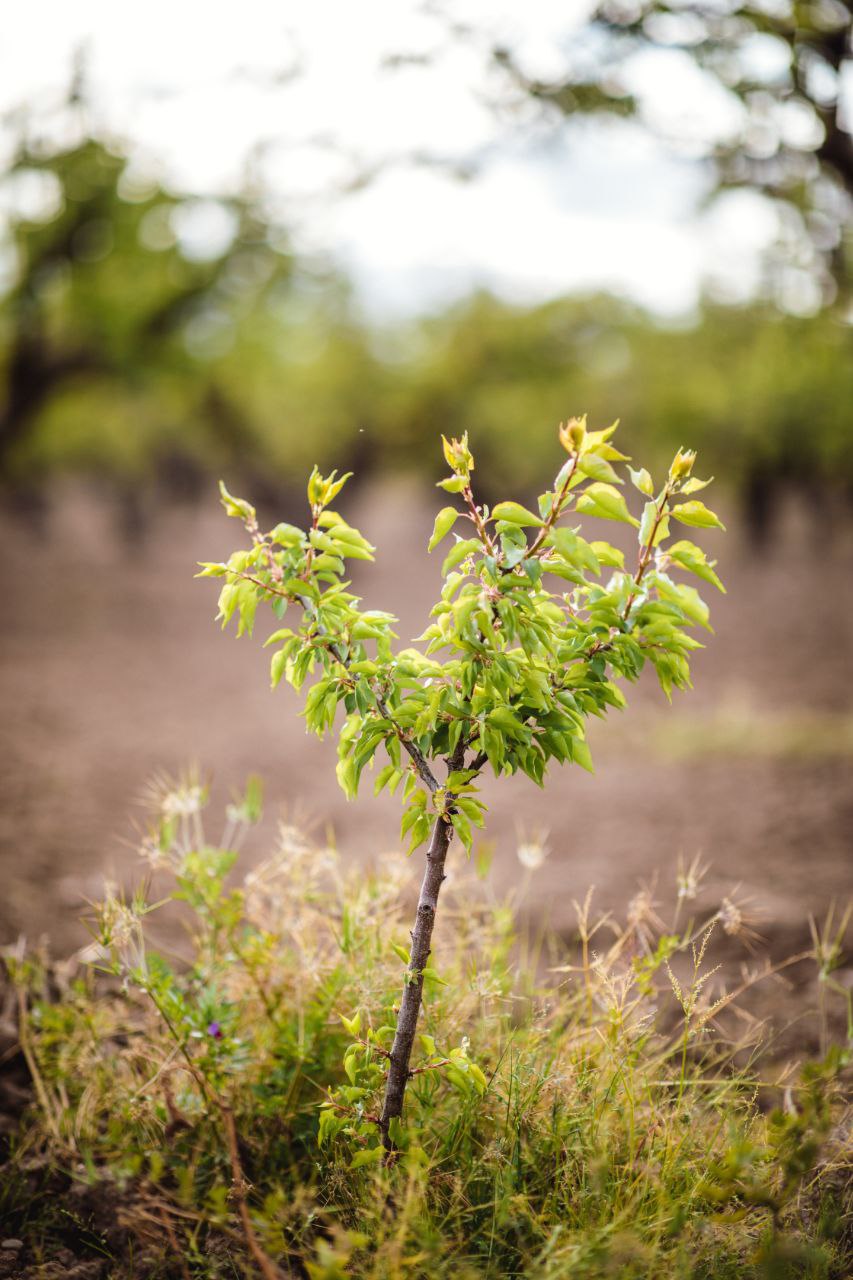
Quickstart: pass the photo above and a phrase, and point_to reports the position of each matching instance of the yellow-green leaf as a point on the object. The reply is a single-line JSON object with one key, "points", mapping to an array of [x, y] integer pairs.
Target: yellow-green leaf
{"points": [[277, 666], [444, 522], [697, 514], [372, 1155], [458, 553], [692, 558], [515, 513], [607, 503], [642, 480]]}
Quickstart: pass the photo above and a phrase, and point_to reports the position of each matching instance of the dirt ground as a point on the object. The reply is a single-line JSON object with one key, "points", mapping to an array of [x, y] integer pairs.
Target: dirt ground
{"points": [[112, 669]]}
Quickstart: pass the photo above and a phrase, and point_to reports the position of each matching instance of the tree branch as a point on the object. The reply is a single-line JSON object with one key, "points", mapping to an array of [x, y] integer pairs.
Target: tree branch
{"points": [[412, 750]]}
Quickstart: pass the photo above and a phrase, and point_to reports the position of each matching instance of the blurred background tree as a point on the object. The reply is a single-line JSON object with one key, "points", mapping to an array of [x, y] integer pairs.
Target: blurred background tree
{"points": [[779, 66], [751, 383], [151, 338]]}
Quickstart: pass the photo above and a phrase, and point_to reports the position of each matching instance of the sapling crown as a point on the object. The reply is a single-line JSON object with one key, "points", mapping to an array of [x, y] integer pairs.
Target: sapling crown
{"points": [[535, 628]]}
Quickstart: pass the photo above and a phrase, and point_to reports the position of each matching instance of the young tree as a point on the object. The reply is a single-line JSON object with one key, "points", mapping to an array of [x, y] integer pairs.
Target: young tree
{"points": [[534, 627]]}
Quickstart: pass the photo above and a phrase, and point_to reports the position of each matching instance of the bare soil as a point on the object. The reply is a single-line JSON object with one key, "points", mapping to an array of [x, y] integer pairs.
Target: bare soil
{"points": [[112, 669]]}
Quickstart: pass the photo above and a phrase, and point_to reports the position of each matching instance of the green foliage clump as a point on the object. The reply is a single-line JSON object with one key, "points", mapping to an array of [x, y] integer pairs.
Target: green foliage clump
{"points": [[534, 625], [584, 1113], [141, 331]]}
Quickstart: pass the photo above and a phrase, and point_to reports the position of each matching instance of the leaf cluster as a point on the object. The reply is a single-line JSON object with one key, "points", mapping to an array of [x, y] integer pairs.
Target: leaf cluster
{"points": [[536, 626]]}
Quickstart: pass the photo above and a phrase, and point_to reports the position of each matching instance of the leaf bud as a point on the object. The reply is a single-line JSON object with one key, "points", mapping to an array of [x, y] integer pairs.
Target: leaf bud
{"points": [[682, 464], [316, 488], [458, 455], [572, 434]]}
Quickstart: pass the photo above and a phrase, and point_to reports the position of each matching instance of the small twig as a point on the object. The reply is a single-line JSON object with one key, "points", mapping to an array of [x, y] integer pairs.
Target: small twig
{"points": [[556, 510], [174, 1242], [417, 756], [351, 1111], [177, 1120], [647, 551], [268, 1268], [316, 511], [377, 1048], [431, 1066], [419, 759], [475, 516], [265, 586]]}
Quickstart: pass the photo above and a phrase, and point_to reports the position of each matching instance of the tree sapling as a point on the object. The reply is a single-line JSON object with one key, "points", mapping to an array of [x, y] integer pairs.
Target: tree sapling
{"points": [[534, 627]]}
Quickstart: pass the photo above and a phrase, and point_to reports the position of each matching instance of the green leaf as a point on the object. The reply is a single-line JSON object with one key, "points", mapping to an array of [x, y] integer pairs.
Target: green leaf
{"points": [[686, 598], [576, 550], [463, 829], [353, 1024], [248, 605], [316, 486], [647, 523], [347, 776], [477, 1075], [453, 484], [460, 778], [444, 522], [350, 548], [690, 557], [608, 555], [277, 636], [458, 553], [287, 535], [350, 1062], [514, 513], [472, 809], [642, 480], [279, 661], [383, 778], [235, 506], [227, 603], [420, 832], [363, 629], [344, 533], [334, 486], [432, 975], [503, 719], [607, 503], [252, 802], [597, 468], [697, 514], [459, 1080], [373, 1155], [694, 484]]}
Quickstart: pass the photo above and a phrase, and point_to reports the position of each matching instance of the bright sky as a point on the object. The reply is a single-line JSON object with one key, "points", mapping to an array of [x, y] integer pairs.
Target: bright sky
{"points": [[203, 90]]}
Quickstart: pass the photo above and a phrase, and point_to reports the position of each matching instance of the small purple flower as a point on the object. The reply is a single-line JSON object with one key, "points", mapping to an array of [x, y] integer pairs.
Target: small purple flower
{"points": [[215, 1031]]}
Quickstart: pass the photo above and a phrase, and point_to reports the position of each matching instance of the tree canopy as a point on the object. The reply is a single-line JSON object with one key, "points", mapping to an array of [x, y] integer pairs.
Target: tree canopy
{"points": [[780, 66], [150, 337]]}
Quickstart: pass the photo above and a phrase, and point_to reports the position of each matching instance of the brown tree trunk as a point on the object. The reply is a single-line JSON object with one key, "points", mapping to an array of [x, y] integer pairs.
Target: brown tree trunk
{"points": [[407, 1018]]}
